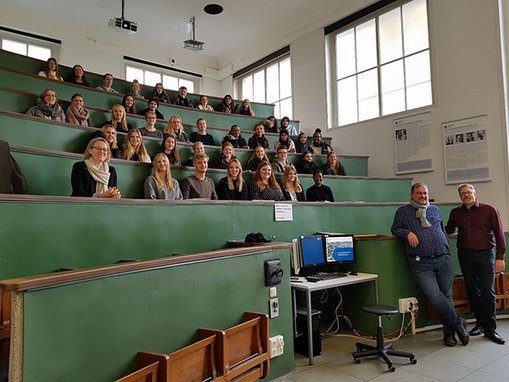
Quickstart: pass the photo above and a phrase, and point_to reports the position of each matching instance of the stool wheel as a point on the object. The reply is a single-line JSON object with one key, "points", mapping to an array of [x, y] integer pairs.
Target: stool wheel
{"points": [[413, 361], [357, 360], [392, 369]]}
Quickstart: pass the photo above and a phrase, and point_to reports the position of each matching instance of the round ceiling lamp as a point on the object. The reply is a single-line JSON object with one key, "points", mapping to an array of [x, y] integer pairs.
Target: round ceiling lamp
{"points": [[213, 9]]}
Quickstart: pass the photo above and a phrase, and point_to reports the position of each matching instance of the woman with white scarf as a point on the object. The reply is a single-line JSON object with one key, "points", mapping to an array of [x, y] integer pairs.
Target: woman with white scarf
{"points": [[93, 177], [47, 107], [76, 113]]}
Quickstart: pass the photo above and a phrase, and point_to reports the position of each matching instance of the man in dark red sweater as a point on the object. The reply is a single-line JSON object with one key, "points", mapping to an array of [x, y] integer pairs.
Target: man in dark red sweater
{"points": [[481, 252]]}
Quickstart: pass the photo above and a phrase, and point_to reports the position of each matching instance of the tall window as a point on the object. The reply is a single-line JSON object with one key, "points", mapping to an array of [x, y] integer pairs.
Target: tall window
{"points": [[28, 44], [151, 74], [269, 83], [381, 65]]}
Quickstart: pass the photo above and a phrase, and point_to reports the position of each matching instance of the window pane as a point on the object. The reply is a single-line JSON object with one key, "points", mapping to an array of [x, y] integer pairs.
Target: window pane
{"points": [[347, 101], [415, 26], [285, 108], [367, 85], [258, 87], [188, 84], [277, 110], [366, 46], [390, 36], [285, 78], [393, 88], [247, 87], [345, 56], [14, 46], [132, 74], [152, 78], [170, 82], [39, 52], [272, 83], [417, 68], [419, 95]]}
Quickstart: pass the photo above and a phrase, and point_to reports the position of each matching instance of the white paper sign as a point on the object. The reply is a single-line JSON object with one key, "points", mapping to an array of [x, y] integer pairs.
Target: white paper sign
{"points": [[283, 212]]}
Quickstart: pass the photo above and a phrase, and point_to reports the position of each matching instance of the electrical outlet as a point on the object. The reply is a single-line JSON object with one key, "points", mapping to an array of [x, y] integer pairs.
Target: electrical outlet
{"points": [[274, 307], [280, 344], [406, 303], [277, 345]]}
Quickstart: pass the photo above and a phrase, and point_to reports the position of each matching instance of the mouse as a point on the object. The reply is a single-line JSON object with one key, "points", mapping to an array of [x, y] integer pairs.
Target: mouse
{"points": [[353, 273]]}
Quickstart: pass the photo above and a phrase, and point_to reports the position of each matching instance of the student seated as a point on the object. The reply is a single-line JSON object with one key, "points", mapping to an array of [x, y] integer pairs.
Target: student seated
{"points": [[150, 128], [78, 76], [245, 108], [47, 107], [264, 185], [199, 185], [198, 148], [170, 149], [321, 146], [109, 133], [119, 118], [107, 85], [258, 157], [280, 163], [227, 105], [284, 140], [136, 90], [302, 145], [333, 166], [134, 148], [76, 113], [232, 186], [227, 154], [258, 138], [204, 104], [51, 70], [268, 126], [161, 185], [128, 104], [306, 164], [235, 138], [181, 98], [152, 105], [201, 135], [275, 127], [292, 189], [175, 129], [93, 177], [160, 94], [319, 192], [285, 124]]}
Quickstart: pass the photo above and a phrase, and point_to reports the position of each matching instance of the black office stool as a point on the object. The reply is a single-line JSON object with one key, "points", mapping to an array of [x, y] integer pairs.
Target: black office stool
{"points": [[381, 350]]}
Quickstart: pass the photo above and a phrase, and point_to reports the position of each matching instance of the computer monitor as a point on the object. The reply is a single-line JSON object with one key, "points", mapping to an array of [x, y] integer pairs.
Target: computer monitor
{"points": [[311, 251], [339, 249]]}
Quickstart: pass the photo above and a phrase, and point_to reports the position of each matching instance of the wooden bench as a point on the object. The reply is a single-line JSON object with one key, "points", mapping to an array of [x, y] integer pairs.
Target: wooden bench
{"points": [[145, 374], [243, 350], [5, 323], [197, 362]]}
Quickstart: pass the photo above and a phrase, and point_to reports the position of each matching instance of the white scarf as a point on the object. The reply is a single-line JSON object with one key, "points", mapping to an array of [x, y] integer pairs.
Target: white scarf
{"points": [[421, 213], [101, 174]]}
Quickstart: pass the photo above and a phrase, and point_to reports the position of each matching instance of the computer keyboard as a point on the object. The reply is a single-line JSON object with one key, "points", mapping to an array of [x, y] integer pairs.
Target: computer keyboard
{"points": [[326, 275]]}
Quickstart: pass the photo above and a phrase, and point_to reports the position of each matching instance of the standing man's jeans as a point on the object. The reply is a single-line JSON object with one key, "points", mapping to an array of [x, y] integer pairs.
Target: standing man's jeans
{"points": [[478, 268], [434, 276]]}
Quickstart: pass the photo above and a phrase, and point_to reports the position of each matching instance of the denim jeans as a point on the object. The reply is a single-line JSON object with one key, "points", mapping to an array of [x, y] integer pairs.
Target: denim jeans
{"points": [[434, 276], [478, 268]]}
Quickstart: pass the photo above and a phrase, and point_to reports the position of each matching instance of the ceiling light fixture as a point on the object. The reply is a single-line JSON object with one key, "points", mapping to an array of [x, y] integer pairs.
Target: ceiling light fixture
{"points": [[193, 44], [213, 9]]}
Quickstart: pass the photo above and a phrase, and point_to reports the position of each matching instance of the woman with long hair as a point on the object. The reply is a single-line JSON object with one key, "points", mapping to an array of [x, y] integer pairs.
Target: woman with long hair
{"points": [[76, 113], [258, 157], [227, 154], [119, 118], [160, 94], [264, 185], [93, 177], [51, 70], [161, 185], [78, 76], [175, 129], [134, 148], [227, 105], [128, 104], [47, 107], [292, 189], [169, 147], [232, 186], [110, 134], [258, 138], [333, 166]]}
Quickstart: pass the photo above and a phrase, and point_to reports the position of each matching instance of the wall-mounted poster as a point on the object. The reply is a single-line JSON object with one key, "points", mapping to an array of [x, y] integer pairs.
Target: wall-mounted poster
{"points": [[466, 150], [412, 142]]}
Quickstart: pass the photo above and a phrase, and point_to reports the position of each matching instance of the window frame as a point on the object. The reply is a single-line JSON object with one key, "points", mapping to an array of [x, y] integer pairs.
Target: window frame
{"points": [[331, 32], [30, 39]]}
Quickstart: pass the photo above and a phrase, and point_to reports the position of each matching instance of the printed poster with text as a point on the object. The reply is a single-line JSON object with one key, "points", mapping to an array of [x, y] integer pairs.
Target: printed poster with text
{"points": [[412, 142], [466, 150]]}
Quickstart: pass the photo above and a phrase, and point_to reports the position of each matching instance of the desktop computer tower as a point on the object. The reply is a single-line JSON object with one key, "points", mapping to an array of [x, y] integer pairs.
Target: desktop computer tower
{"points": [[301, 340]]}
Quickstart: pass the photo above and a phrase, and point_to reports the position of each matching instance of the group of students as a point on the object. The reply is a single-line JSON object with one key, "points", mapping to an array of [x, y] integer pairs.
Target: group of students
{"points": [[94, 177]]}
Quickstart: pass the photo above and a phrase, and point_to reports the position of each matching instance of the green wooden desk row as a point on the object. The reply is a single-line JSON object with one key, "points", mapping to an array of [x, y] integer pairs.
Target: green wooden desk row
{"points": [[32, 83], [28, 131], [33, 66], [48, 173]]}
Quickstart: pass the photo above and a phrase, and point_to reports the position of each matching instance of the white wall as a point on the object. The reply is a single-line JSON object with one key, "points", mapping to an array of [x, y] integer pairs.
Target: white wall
{"points": [[467, 76]]}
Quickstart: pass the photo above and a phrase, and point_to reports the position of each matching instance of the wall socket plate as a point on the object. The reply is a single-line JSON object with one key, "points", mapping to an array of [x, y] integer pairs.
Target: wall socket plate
{"points": [[274, 307]]}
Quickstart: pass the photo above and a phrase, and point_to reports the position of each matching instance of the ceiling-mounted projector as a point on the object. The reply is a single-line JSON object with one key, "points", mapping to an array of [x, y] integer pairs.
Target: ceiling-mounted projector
{"points": [[120, 24], [193, 44]]}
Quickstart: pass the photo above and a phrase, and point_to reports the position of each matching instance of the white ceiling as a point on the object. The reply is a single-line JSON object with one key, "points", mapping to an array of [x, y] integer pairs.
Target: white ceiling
{"points": [[245, 31]]}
